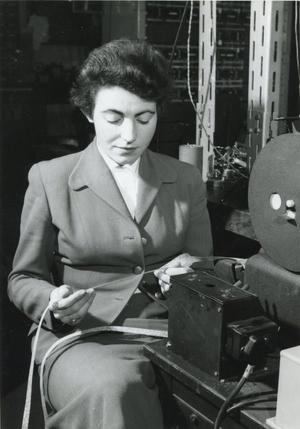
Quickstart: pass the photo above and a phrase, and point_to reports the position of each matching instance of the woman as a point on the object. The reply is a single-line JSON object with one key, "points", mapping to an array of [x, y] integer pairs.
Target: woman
{"points": [[92, 224]]}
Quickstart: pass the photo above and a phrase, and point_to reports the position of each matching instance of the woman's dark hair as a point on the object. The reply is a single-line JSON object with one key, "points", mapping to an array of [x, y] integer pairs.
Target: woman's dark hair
{"points": [[133, 65]]}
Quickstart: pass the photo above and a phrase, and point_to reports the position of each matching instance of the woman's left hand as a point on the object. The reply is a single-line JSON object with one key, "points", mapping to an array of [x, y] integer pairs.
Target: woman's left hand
{"points": [[70, 306], [179, 265]]}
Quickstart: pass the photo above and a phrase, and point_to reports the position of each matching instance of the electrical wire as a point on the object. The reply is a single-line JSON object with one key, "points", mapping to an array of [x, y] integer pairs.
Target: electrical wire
{"points": [[188, 55], [207, 90], [200, 117], [203, 110], [188, 74], [230, 164], [248, 371], [177, 35], [253, 401], [171, 62]]}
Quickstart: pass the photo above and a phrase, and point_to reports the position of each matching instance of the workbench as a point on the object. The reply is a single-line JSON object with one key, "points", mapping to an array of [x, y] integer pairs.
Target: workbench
{"points": [[191, 398]]}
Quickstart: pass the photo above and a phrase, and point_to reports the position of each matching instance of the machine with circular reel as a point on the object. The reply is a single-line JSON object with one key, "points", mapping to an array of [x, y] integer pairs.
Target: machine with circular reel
{"points": [[274, 203], [274, 200]]}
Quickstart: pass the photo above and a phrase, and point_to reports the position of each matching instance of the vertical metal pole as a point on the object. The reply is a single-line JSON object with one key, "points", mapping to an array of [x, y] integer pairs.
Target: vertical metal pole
{"points": [[270, 31], [207, 83]]}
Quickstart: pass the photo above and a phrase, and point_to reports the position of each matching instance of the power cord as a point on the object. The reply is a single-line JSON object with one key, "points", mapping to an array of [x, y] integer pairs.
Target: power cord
{"points": [[253, 401], [249, 351], [248, 371]]}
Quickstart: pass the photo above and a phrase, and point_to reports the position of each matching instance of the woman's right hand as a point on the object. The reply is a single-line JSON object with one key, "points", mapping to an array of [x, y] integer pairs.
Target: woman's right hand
{"points": [[68, 306], [179, 265]]}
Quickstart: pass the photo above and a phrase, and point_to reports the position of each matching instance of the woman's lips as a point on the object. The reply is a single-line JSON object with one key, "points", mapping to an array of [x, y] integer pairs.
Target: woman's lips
{"points": [[125, 149]]}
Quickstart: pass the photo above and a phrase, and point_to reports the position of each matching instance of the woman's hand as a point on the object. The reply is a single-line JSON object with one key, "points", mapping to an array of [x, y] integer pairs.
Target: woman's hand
{"points": [[68, 306], [179, 265]]}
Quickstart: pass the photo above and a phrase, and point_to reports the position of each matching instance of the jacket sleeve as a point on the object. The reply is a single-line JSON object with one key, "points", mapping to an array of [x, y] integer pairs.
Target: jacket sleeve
{"points": [[29, 283], [199, 238]]}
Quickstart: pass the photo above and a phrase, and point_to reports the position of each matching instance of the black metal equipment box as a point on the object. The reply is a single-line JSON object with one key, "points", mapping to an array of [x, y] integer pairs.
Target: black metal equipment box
{"points": [[200, 308]]}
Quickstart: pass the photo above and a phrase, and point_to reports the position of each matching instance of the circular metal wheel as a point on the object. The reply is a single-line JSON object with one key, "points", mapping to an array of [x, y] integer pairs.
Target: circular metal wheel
{"points": [[274, 200]]}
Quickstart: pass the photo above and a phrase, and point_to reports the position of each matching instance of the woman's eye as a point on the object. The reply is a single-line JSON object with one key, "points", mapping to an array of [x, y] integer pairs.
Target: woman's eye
{"points": [[144, 119], [113, 119]]}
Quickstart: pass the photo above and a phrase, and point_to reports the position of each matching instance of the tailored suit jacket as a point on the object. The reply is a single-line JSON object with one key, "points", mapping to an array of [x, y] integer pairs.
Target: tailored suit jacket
{"points": [[76, 230]]}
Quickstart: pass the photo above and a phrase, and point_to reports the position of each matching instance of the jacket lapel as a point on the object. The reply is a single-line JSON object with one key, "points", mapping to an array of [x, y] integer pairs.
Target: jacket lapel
{"points": [[91, 171], [152, 174]]}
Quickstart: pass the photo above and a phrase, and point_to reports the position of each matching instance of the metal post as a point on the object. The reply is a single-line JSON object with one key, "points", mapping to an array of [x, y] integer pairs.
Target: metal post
{"points": [[270, 33], [207, 83]]}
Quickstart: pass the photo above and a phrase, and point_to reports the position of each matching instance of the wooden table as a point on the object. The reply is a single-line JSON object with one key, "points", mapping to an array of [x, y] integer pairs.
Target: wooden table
{"points": [[191, 398]]}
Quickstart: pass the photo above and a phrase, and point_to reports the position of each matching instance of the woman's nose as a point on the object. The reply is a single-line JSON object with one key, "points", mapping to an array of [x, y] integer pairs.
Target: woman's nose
{"points": [[128, 130]]}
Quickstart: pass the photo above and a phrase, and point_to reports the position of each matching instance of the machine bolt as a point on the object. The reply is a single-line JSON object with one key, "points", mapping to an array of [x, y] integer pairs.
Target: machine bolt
{"points": [[193, 418]]}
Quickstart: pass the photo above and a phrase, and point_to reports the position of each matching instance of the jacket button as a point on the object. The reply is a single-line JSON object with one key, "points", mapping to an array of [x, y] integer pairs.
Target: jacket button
{"points": [[138, 270], [144, 241]]}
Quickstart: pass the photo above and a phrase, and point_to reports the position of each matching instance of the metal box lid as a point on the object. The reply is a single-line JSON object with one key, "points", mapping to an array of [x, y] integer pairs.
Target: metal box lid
{"points": [[211, 287]]}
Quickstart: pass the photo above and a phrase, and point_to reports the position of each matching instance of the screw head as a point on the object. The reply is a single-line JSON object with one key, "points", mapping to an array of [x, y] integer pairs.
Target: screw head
{"points": [[193, 418]]}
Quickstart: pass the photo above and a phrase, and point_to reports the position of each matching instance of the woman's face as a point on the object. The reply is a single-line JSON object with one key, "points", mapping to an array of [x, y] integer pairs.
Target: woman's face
{"points": [[124, 123]]}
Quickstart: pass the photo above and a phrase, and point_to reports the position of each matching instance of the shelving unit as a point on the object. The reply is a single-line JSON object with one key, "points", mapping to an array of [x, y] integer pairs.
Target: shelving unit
{"points": [[270, 47], [223, 76]]}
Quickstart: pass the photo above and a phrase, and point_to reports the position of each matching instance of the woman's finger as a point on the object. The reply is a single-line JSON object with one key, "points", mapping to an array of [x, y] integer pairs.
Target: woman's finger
{"points": [[165, 274], [164, 287], [75, 307], [176, 271], [165, 278], [76, 317], [57, 294], [72, 299], [182, 260]]}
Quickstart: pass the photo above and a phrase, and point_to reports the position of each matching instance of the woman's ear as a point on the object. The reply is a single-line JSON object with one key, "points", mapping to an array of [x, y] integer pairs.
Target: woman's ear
{"points": [[91, 121]]}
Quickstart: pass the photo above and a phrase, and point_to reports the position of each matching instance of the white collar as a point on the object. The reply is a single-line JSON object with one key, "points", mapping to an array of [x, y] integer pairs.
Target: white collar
{"points": [[112, 165]]}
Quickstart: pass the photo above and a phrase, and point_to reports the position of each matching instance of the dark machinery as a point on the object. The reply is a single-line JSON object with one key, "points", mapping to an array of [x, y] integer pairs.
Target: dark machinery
{"points": [[274, 203], [220, 327], [217, 326]]}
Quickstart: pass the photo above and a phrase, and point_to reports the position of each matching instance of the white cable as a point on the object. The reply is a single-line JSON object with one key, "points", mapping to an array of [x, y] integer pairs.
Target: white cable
{"points": [[74, 335], [188, 73], [188, 55], [27, 406], [88, 332], [229, 163]]}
